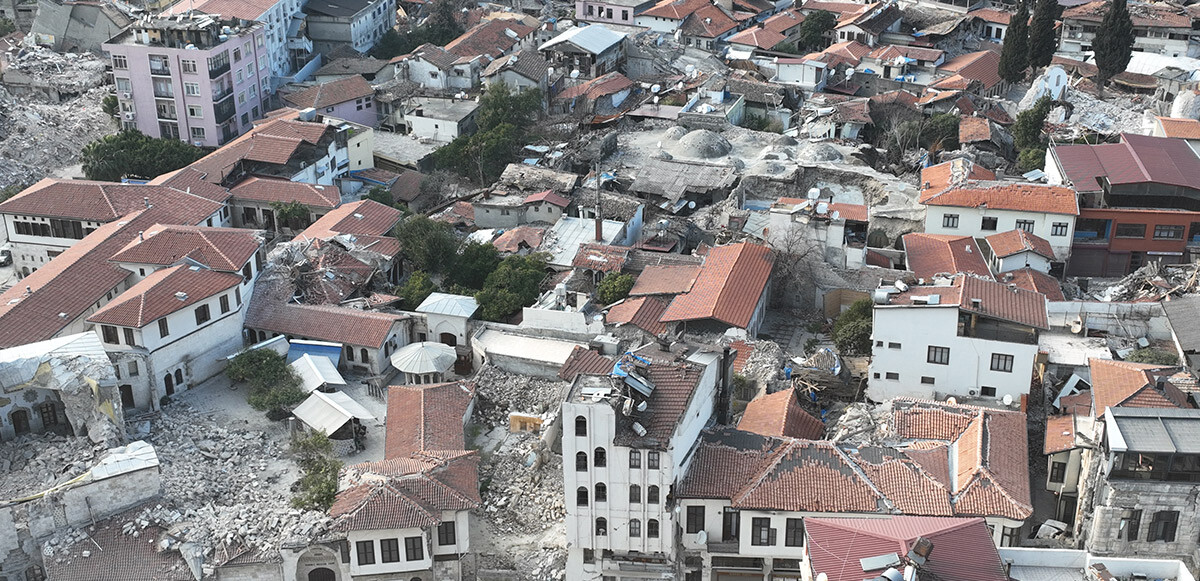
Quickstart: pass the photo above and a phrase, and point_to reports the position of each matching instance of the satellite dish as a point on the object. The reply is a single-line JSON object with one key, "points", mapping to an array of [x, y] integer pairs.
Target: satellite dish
{"points": [[691, 205], [822, 208], [1007, 399], [641, 406], [655, 88], [575, 74], [701, 537], [836, 214], [814, 193]]}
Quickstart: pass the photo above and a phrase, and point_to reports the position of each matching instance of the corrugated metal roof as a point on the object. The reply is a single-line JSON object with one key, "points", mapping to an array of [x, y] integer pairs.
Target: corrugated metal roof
{"points": [[594, 38]]}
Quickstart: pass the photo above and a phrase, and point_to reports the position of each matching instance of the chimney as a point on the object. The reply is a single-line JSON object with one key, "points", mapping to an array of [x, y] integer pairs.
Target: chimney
{"points": [[146, 200], [141, 238], [599, 227], [723, 395]]}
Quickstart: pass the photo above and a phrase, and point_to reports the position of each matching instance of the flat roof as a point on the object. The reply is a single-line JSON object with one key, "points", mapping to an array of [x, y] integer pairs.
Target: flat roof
{"points": [[448, 109], [554, 351], [1153, 430], [1069, 349]]}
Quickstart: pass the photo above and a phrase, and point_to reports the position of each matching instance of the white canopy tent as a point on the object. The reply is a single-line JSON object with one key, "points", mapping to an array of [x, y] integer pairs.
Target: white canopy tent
{"points": [[328, 412]]}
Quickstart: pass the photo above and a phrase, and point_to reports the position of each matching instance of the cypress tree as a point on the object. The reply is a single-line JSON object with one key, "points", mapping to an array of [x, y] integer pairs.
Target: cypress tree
{"points": [[1014, 59], [1113, 44], [1042, 43]]}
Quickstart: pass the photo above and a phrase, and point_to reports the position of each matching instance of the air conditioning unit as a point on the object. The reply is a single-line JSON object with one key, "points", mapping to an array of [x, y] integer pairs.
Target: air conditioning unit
{"points": [[198, 143], [129, 116], [126, 95], [971, 393]]}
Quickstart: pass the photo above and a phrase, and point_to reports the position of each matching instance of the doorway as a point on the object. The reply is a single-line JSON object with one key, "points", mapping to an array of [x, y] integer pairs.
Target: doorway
{"points": [[169, 384], [322, 574], [20, 420], [449, 339]]}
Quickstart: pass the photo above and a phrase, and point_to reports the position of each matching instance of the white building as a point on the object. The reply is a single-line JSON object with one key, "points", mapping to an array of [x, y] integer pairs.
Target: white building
{"points": [[358, 24], [838, 231], [626, 444], [969, 338], [1017, 249], [441, 120], [434, 67], [447, 317]]}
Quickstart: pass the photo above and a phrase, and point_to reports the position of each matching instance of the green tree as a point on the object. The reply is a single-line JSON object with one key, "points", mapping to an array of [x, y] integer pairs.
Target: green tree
{"points": [[1042, 40], [940, 132], [1014, 57], [513, 285], [429, 244], [1113, 45], [134, 154], [7, 27], [318, 484], [439, 28], [11, 190], [416, 289], [813, 29], [852, 329], [293, 214], [1153, 356], [274, 386], [789, 48], [473, 265], [1031, 159], [499, 105], [503, 124], [1027, 131], [109, 105], [613, 288]]}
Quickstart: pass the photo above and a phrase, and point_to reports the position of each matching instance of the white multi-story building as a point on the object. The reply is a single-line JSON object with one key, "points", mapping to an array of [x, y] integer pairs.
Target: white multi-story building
{"points": [[358, 24], [968, 337], [626, 443]]}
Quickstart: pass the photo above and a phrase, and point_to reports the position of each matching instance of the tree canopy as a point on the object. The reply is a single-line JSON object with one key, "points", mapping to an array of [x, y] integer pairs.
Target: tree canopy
{"points": [[318, 485], [613, 288], [1042, 40], [1153, 356], [415, 290], [813, 29], [429, 244], [1113, 44], [473, 265], [273, 384], [1027, 135], [852, 329], [1014, 57], [439, 28], [513, 285], [504, 123], [134, 154]]}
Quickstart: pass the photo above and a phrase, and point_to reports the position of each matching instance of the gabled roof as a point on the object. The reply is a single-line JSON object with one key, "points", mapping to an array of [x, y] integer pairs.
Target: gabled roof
{"points": [[1143, 14], [407, 492], [1015, 241], [584, 361], [492, 38], [955, 173], [665, 280], [1136, 159], [600, 257], [873, 18], [837, 8], [94, 201], [974, 129], [708, 21], [1006, 196], [331, 93], [982, 66], [849, 52], [890, 51], [367, 221], [995, 300], [223, 249], [675, 9], [270, 310], [716, 295], [780, 414], [522, 237], [963, 547], [784, 22], [1037, 281], [641, 312], [1127, 384], [427, 418], [675, 385], [932, 254], [547, 196], [757, 37], [1179, 128], [594, 39], [432, 54], [527, 63], [277, 190], [991, 15], [274, 141], [608, 84]]}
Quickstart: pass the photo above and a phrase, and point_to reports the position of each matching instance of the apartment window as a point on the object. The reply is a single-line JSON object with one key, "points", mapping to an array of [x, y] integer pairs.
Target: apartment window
{"points": [[197, 133], [1026, 225], [581, 496], [109, 333], [591, 10], [601, 492], [652, 460], [891, 375], [1010, 537], [988, 223], [580, 426], [120, 61], [389, 550], [695, 519], [635, 494], [793, 533], [600, 458], [652, 529], [926, 380], [129, 337], [1002, 362], [1058, 472], [1131, 522], [237, 54], [123, 85], [238, 77], [938, 355], [224, 304], [893, 345], [246, 272], [761, 533], [635, 527], [1058, 229], [950, 221], [191, 90], [163, 329], [366, 552], [414, 548], [446, 533], [1168, 232], [601, 526], [624, 15], [652, 495], [1130, 231], [195, 111], [202, 315], [581, 462], [987, 391], [132, 369], [635, 459], [187, 66], [1162, 527]]}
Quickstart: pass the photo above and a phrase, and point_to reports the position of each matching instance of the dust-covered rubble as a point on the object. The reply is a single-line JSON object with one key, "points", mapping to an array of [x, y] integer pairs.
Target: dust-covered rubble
{"points": [[500, 393], [35, 463]]}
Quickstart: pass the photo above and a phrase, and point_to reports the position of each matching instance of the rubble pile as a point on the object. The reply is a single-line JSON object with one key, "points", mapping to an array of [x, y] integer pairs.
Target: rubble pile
{"points": [[69, 73], [498, 393], [38, 137], [1111, 116], [1153, 281], [765, 363], [31, 464]]}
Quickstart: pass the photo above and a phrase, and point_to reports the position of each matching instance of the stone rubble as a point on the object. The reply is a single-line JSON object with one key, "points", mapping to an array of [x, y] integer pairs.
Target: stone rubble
{"points": [[34, 463], [499, 392]]}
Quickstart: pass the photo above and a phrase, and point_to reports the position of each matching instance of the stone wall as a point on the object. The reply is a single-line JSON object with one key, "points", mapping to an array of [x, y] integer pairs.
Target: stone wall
{"points": [[1114, 497], [85, 504]]}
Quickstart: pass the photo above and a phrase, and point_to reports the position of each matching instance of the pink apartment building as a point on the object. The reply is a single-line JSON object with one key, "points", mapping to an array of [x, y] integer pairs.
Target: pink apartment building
{"points": [[194, 77]]}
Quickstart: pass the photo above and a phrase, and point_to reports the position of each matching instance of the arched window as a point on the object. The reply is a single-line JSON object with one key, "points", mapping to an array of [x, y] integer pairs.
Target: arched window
{"points": [[652, 529], [581, 496], [652, 495], [363, 352], [635, 528], [601, 526], [580, 426], [635, 494], [349, 353], [178, 377], [601, 492], [600, 458], [581, 462]]}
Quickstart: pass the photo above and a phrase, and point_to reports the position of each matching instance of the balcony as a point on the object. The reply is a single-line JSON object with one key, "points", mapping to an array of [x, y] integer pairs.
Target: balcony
{"points": [[217, 69], [221, 93], [724, 547], [167, 115], [163, 93], [223, 111], [301, 43], [160, 70]]}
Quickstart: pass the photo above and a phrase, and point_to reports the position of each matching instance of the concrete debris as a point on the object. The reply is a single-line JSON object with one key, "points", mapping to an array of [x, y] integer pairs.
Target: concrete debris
{"points": [[500, 393], [765, 363], [1153, 281], [1087, 113], [41, 70], [39, 137], [37, 462]]}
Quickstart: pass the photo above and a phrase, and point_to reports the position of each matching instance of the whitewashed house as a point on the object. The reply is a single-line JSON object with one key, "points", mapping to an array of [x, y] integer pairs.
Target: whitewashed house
{"points": [[1017, 249]]}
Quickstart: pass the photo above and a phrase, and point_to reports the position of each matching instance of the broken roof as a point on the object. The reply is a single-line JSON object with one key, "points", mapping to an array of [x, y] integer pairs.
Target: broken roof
{"points": [[606, 84], [1143, 14], [366, 223], [995, 300], [163, 292], [1136, 159], [432, 54], [642, 312], [492, 38], [273, 142], [929, 255], [714, 297], [780, 414], [527, 63], [600, 257], [584, 361], [1128, 384], [675, 9], [1037, 281], [520, 238], [982, 66], [407, 492], [673, 179], [529, 178], [283, 191], [974, 130], [955, 173], [113, 555], [331, 93], [1023, 197], [223, 249], [963, 548], [270, 310], [1015, 241]]}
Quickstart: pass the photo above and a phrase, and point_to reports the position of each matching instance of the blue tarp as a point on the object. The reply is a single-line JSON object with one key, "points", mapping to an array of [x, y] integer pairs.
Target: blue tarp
{"points": [[331, 350]]}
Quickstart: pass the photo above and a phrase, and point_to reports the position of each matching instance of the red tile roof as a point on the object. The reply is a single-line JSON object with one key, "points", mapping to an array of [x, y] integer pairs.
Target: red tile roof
{"points": [[715, 295], [990, 15], [159, 294], [836, 8], [601, 257], [675, 9], [270, 311], [996, 300], [490, 38], [547, 196], [850, 52], [974, 129], [425, 418], [641, 312], [331, 93], [368, 221], [275, 190], [1016, 241], [889, 51], [982, 66], [1036, 281], [963, 547], [674, 386], [932, 254], [116, 556], [851, 212], [1128, 384], [607, 84], [223, 249], [757, 37], [1150, 15], [1006, 196], [104, 201], [274, 141], [519, 238], [780, 414], [665, 280], [1179, 128], [1060, 434], [744, 350], [785, 22], [407, 493], [584, 361]]}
